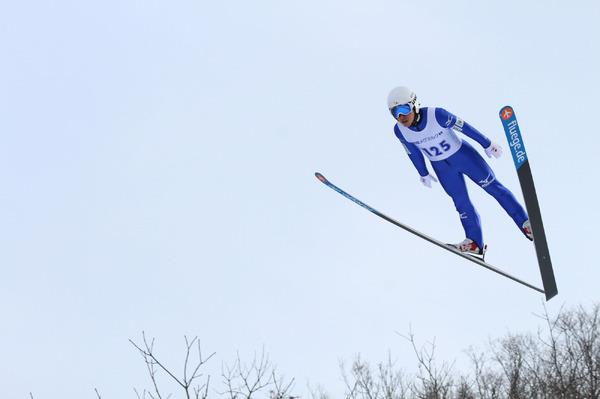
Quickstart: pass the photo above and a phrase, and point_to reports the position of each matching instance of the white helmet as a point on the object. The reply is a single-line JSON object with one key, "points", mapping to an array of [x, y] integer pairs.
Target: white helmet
{"points": [[402, 96]]}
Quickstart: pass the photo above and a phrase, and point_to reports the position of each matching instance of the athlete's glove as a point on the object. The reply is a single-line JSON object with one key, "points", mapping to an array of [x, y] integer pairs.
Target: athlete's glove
{"points": [[426, 180], [494, 149]]}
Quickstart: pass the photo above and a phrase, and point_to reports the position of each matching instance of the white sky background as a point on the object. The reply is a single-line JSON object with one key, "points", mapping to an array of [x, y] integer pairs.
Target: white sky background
{"points": [[157, 164]]}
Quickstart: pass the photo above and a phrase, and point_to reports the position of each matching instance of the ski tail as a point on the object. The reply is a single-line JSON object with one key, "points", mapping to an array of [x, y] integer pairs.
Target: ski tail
{"points": [[515, 141]]}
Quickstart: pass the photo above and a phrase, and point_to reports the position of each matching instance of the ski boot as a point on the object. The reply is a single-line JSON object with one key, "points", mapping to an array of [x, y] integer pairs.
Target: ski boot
{"points": [[469, 246], [527, 230]]}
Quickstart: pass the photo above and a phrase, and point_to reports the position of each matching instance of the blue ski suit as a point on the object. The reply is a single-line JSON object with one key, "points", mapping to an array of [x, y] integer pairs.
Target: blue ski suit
{"points": [[452, 158]]}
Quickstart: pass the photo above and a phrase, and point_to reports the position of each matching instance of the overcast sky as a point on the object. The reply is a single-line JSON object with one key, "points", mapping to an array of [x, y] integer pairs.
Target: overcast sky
{"points": [[157, 164]]}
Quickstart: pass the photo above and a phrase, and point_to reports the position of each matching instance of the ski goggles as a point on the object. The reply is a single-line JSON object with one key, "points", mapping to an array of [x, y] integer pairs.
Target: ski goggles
{"points": [[403, 109]]}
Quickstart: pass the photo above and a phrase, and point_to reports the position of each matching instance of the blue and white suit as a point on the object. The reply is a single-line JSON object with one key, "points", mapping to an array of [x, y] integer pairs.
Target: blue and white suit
{"points": [[452, 158]]}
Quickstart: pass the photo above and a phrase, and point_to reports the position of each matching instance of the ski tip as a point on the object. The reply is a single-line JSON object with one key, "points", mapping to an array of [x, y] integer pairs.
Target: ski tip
{"points": [[321, 177], [507, 112]]}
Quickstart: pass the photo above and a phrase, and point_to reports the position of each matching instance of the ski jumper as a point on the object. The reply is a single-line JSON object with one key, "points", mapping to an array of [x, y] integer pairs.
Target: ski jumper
{"points": [[452, 159]]}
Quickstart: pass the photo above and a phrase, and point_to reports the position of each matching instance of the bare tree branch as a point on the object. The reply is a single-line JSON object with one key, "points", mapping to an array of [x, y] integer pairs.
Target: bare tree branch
{"points": [[435, 383], [243, 381], [186, 382]]}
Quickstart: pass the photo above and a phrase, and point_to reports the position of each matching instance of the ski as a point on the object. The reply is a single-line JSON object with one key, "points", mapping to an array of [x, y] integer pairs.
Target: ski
{"points": [[515, 142], [440, 244]]}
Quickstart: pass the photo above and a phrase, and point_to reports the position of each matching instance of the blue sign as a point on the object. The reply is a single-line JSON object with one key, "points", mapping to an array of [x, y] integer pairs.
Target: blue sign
{"points": [[513, 135]]}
